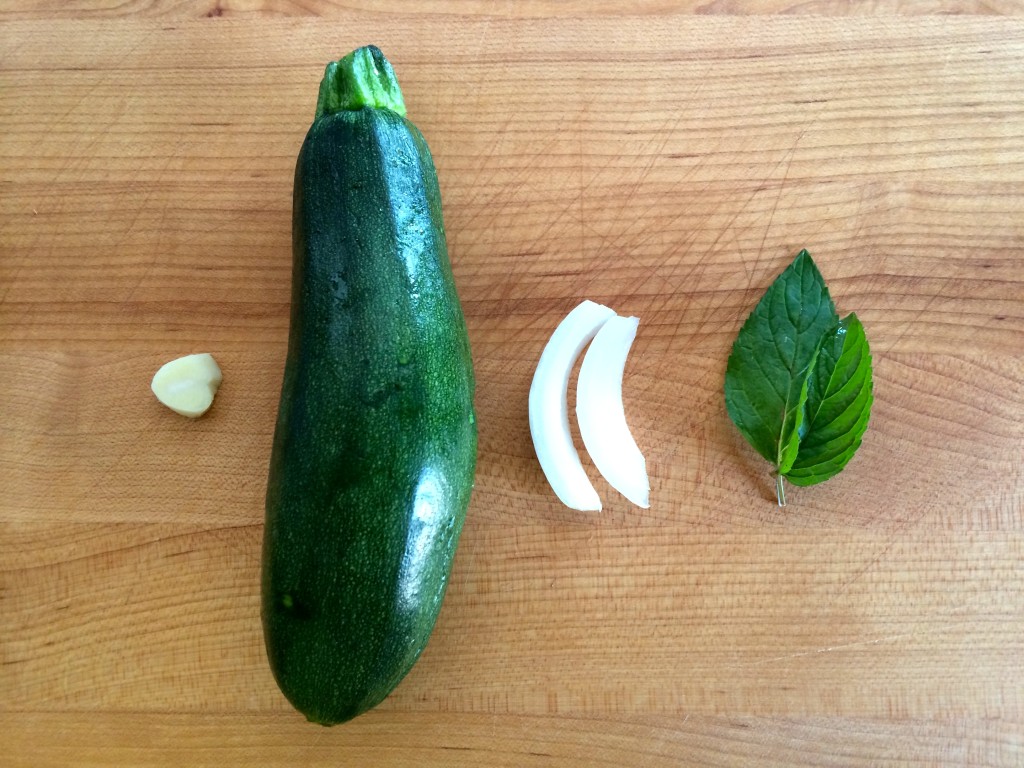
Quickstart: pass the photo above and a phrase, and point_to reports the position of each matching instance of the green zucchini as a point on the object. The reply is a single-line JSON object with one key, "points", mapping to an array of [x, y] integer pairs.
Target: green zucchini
{"points": [[374, 450]]}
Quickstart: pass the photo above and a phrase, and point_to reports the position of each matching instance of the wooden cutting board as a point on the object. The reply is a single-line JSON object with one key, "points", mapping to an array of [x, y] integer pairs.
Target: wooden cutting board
{"points": [[664, 163]]}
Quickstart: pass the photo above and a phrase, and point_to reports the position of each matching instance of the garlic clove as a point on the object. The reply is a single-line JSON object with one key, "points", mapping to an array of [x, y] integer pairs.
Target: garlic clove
{"points": [[187, 385]]}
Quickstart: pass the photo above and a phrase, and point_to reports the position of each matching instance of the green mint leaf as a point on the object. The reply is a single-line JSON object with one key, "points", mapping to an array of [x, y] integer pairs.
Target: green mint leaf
{"points": [[838, 405], [789, 451], [767, 377]]}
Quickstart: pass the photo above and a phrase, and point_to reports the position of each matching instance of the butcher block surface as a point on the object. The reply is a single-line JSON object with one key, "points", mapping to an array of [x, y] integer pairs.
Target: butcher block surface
{"points": [[665, 159]]}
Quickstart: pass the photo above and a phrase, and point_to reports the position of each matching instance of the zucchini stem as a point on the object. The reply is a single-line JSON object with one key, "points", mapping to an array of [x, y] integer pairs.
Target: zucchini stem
{"points": [[364, 78]]}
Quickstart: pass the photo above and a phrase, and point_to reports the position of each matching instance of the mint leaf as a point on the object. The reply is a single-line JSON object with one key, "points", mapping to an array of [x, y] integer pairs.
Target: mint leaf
{"points": [[798, 383], [767, 376], [837, 407]]}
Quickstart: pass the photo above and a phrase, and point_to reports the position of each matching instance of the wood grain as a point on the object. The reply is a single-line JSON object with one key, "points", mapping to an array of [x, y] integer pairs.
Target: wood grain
{"points": [[406, 740], [664, 164], [509, 9]]}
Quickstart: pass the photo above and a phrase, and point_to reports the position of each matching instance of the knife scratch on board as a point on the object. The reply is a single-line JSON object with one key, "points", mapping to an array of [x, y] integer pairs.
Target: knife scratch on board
{"points": [[823, 649]]}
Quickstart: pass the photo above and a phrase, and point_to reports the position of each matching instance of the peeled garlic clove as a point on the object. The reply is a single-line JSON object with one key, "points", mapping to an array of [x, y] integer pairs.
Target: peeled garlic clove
{"points": [[549, 412], [600, 413], [187, 385]]}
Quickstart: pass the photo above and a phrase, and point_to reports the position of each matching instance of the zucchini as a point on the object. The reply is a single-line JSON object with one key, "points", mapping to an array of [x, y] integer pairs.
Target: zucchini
{"points": [[374, 451]]}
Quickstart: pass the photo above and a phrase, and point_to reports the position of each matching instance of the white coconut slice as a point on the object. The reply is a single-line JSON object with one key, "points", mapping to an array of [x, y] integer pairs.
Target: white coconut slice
{"points": [[549, 411], [600, 413]]}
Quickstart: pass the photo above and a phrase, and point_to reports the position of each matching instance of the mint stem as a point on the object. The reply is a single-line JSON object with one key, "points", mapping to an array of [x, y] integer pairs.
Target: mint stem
{"points": [[780, 491]]}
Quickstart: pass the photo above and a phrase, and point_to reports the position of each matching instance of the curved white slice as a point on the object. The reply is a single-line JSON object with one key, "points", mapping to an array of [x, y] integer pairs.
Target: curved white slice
{"points": [[549, 411], [601, 415]]}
